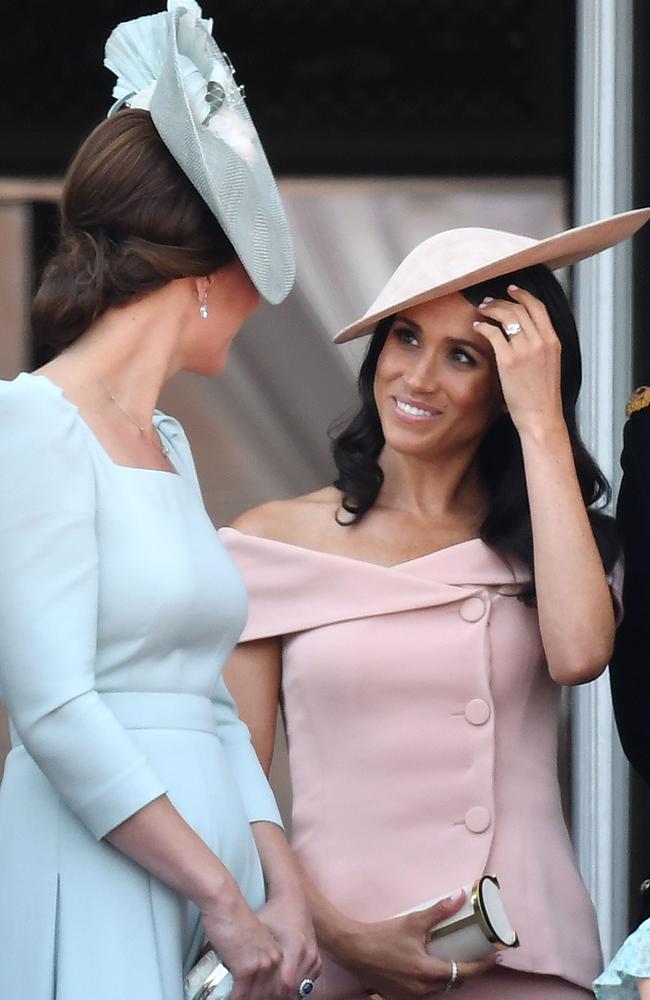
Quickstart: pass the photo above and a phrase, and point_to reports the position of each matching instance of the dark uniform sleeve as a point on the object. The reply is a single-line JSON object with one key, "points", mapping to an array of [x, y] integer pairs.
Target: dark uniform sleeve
{"points": [[630, 665]]}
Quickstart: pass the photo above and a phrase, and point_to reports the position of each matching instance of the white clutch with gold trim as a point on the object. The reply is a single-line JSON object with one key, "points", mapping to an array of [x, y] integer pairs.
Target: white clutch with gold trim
{"points": [[480, 927]]}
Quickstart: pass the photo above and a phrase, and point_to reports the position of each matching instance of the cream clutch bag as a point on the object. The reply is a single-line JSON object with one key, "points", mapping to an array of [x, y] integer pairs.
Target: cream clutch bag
{"points": [[209, 979], [478, 928]]}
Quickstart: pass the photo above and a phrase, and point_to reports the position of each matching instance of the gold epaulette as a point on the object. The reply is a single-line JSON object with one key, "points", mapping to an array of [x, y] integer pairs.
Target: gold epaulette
{"points": [[639, 399]]}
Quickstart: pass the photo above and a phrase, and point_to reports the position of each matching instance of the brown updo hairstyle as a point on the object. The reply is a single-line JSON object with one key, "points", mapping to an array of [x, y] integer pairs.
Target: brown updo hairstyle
{"points": [[130, 222]]}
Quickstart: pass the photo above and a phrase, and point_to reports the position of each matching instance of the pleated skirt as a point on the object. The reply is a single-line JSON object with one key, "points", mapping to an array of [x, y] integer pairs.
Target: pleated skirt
{"points": [[79, 919]]}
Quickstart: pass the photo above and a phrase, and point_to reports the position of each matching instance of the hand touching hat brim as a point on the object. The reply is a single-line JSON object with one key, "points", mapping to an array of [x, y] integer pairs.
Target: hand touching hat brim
{"points": [[458, 258]]}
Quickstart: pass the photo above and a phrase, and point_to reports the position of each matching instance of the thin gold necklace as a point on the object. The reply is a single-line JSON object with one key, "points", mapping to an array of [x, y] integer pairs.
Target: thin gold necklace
{"points": [[160, 446]]}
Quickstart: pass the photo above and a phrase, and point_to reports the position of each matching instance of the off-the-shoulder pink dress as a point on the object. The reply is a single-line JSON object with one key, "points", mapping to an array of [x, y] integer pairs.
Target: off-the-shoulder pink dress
{"points": [[422, 726]]}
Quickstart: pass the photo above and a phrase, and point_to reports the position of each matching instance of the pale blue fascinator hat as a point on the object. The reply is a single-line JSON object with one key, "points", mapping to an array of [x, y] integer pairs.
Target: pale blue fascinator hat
{"points": [[169, 65]]}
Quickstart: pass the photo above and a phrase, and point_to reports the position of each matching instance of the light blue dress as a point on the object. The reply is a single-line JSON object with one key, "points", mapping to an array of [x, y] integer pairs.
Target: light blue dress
{"points": [[118, 609], [631, 962]]}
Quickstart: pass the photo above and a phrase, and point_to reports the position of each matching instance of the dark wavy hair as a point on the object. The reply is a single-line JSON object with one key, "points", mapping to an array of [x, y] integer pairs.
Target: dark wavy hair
{"points": [[507, 526], [130, 222]]}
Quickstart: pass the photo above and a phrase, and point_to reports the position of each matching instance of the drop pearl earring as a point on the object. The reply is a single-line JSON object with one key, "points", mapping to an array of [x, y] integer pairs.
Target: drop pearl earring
{"points": [[203, 309]]}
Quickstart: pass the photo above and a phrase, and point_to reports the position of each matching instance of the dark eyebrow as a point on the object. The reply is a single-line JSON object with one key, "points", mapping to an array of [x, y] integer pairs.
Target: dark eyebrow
{"points": [[485, 352], [409, 322]]}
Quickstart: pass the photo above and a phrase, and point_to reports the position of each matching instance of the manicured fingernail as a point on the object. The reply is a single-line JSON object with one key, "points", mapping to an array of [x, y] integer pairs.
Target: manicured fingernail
{"points": [[482, 305], [488, 298], [513, 288], [454, 897], [476, 323]]}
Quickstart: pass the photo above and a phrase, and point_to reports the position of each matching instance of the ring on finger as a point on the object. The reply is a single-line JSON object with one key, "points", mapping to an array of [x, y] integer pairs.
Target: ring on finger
{"points": [[454, 978], [511, 329], [305, 988]]}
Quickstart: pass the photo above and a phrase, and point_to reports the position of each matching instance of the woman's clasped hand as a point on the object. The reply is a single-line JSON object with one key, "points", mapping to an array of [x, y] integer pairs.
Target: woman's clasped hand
{"points": [[269, 953]]}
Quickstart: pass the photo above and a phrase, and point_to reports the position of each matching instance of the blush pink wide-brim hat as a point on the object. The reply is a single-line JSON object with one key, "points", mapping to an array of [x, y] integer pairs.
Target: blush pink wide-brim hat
{"points": [[458, 258]]}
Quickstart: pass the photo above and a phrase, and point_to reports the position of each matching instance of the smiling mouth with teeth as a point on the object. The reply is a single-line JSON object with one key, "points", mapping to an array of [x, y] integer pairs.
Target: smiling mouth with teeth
{"points": [[414, 411]]}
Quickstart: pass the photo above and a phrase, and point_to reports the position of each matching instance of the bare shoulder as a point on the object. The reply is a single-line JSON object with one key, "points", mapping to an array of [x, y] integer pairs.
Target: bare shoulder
{"points": [[297, 521]]}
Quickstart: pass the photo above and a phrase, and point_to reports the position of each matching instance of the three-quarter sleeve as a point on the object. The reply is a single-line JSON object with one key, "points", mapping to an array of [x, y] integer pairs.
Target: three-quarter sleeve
{"points": [[629, 673], [48, 611], [235, 738]]}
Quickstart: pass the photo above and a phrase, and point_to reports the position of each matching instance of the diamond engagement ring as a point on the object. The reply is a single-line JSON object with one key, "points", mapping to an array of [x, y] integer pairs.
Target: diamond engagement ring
{"points": [[510, 329], [305, 987], [453, 981]]}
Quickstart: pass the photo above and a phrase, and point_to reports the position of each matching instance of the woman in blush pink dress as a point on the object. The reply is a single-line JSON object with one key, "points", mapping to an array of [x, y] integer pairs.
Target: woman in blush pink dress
{"points": [[420, 616]]}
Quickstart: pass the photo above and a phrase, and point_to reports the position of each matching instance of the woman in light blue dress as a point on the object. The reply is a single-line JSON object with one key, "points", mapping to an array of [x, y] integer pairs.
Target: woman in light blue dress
{"points": [[134, 815]]}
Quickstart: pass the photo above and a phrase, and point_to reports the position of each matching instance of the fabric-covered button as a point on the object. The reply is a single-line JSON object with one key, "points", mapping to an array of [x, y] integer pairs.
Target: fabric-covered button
{"points": [[477, 819], [477, 712], [472, 610]]}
